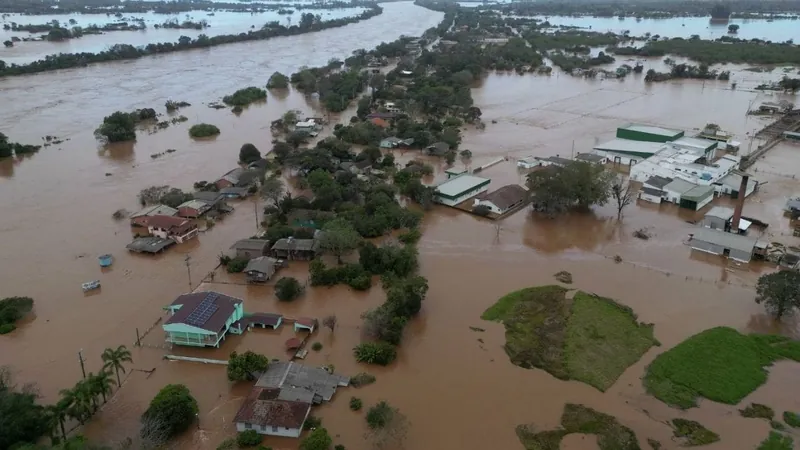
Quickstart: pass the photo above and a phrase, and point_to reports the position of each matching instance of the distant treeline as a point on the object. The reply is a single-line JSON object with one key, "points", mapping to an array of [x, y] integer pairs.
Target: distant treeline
{"points": [[652, 8], [719, 51], [308, 23], [110, 7]]}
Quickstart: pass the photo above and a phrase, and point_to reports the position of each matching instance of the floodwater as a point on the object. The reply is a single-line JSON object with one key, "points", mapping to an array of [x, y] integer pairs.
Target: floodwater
{"points": [[221, 22], [457, 392], [776, 31]]}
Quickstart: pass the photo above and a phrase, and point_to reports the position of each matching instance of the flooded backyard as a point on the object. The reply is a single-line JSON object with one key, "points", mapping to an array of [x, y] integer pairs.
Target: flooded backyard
{"points": [[57, 206]]}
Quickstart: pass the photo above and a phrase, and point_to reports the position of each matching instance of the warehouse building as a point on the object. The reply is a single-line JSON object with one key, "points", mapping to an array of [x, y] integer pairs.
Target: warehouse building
{"points": [[648, 133], [626, 152], [718, 242], [460, 188]]}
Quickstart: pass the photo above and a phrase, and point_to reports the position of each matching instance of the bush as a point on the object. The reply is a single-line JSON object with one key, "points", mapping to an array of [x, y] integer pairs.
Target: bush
{"points": [[118, 127], [249, 438], [312, 422], [245, 96], [339, 447], [236, 265], [355, 403], [249, 153], [278, 81], [381, 353], [202, 130], [757, 411], [170, 413], [379, 415], [317, 440], [244, 367], [11, 310], [7, 328], [360, 283], [411, 236], [316, 346], [363, 379], [288, 289], [227, 444], [791, 419]]}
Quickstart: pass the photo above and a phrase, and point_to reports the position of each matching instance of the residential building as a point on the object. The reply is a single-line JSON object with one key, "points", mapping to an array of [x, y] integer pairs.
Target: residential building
{"points": [[390, 142], [308, 125], [291, 248], [718, 242], [504, 199], [378, 122], [230, 179], [591, 158], [141, 218], [438, 148], [648, 133], [250, 248], [263, 412], [260, 270], [301, 383], [193, 209], [461, 188], [213, 199], [149, 244], [202, 319], [391, 107], [176, 228]]}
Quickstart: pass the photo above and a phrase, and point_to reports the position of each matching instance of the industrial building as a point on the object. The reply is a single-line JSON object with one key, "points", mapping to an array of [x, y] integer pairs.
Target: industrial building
{"points": [[626, 152], [717, 242], [648, 133], [458, 189]]}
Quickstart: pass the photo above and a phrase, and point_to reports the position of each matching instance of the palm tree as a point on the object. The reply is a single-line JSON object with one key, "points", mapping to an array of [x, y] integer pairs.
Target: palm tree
{"points": [[58, 414], [114, 359], [101, 383], [76, 403]]}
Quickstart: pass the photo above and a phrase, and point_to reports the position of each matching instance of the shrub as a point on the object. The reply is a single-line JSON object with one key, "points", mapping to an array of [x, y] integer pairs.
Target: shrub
{"points": [[318, 439], [355, 403], [244, 367], [694, 432], [339, 447], [202, 130], [245, 96], [118, 127], [363, 379], [776, 425], [11, 310], [411, 236], [379, 415], [249, 438], [360, 283], [170, 413], [7, 328], [776, 441], [312, 422], [757, 411], [278, 81], [288, 289], [791, 419], [381, 353], [249, 153], [316, 346], [227, 444], [236, 265]]}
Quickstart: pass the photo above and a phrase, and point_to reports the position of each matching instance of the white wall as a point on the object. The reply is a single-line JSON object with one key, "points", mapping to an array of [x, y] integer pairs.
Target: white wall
{"points": [[470, 194], [649, 198], [492, 207], [271, 431]]}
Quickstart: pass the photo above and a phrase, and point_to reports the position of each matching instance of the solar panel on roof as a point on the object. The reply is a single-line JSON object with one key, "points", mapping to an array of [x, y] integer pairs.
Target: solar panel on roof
{"points": [[204, 310]]}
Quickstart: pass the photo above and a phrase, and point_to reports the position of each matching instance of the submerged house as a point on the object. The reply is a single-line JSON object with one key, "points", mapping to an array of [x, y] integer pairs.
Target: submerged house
{"points": [[193, 209], [177, 228], [260, 270], [141, 218], [718, 242], [250, 248], [504, 199], [291, 248], [202, 319], [460, 188]]}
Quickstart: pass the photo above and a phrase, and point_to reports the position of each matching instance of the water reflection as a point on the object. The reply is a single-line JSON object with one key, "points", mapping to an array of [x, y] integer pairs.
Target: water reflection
{"points": [[119, 152], [583, 231]]}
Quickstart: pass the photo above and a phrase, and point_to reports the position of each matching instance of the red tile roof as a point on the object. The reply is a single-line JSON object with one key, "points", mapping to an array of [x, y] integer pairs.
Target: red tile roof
{"points": [[261, 408], [167, 222], [306, 322]]}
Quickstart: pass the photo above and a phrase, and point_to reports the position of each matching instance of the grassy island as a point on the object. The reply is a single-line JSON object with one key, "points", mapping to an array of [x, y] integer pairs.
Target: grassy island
{"points": [[611, 435], [586, 338], [719, 364]]}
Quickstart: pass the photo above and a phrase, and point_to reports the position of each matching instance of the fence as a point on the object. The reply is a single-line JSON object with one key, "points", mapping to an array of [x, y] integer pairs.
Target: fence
{"points": [[691, 278]]}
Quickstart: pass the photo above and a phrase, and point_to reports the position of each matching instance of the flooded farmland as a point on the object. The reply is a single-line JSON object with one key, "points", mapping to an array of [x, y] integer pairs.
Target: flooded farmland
{"points": [[56, 220]]}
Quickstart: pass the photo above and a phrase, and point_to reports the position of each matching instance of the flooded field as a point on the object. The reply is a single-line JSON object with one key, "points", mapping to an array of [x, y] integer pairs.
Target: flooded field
{"points": [[220, 22], [57, 219]]}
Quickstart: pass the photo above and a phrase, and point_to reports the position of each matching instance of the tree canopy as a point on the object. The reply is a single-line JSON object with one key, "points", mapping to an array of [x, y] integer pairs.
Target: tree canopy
{"points": [[288, 289], [278, 81], [249, 153], [779, 292], [319, 439], [339, 237], [118, 127], [577, 184], [170, 413], [22, 419], [244, 367]]}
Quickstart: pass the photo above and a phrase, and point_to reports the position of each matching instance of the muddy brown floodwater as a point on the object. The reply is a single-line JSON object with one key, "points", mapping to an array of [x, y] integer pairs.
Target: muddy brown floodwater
{"points": [[457, 392]]}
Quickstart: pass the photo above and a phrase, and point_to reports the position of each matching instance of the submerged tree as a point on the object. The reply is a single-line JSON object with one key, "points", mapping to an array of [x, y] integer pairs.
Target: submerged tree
{"points": [[339, 238], [576, 184], [622, 193], [779, 292], [387, 426], [115, 359], [278, 81], [118, 127]]}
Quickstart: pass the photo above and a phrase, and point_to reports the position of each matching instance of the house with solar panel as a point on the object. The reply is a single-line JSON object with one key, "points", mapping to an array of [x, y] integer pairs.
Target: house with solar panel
{"points": [[202, 319]]}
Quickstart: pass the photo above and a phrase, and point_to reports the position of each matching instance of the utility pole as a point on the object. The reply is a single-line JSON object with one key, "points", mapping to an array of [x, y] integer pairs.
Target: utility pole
{"points": [[573, 150], [255, 212], [188, 260], [80, 359]]}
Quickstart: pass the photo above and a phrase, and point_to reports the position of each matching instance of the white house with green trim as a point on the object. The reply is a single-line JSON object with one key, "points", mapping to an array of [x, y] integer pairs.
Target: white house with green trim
{"points": [[460, 188], [202, 319]]}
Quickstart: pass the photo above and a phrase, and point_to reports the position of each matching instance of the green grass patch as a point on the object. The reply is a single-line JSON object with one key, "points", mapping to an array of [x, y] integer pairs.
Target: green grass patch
{"points": [[791, 419], [611, 435], [693, 432], [587, 338], [776, 441], [719, 364], [757, 411]]}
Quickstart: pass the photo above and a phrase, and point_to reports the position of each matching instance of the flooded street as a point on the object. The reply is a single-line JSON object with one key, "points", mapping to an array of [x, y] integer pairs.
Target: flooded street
{"points": [[56, 220]]}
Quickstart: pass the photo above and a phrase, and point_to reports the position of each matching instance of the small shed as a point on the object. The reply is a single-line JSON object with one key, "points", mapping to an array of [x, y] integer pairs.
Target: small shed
{"points": [[260, 269], [592, 158], [718, 242], [697, 197], [250, 248], [717, 218], [306, 324]]}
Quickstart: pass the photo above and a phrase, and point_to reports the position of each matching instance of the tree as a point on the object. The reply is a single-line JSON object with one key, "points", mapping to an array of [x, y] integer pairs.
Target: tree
{"points": [[281, 150], [249, 153], [118, 127], [387, 426], [733, 28], [244, 367], [381, 353], [272, 190], [577, 184], [248, 438], [330, 322], [622, 193], [317, 440], [288, 289], [779, 292], [171, 411], [8, 43], [101, 383], [114, 359], [278, 81], [339, 238], [202, 130], [21, 418]]}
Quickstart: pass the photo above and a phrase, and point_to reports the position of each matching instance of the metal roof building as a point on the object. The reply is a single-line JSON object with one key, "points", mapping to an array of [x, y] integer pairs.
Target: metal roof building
{"points": [[648, 133], [460, 188], [717, 242]]}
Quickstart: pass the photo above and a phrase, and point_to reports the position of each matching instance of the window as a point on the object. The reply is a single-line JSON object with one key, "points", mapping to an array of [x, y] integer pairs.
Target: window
{"points": [[274, 429], [248, 426]]}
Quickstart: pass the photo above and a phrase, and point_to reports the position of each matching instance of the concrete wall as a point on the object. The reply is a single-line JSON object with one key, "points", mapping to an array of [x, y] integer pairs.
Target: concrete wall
{"points": [[270, 431], [463, 197], [649, 198], [714, 223], [715, 249]]}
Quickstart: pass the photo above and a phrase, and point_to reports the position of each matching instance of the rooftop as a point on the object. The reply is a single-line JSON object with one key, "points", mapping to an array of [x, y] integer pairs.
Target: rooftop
{"points": [[155, 210], [653, 192], [296, 244], [206, 310], [721, 212], [455, 187], [233, 176], [589, 157], [149, 244], [168, 222], [680, 186], [695, 142], [724, 239], [658, 181], [698, 193], [629, 146], [262, 408], [251, 244], [194, 204], [506, 196], [651, 129], [297, 381], [207, 196], [261, 264]]}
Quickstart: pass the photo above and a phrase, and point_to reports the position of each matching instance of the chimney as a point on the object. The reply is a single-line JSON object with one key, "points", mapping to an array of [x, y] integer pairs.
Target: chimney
{"points": [[737, 211]]}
